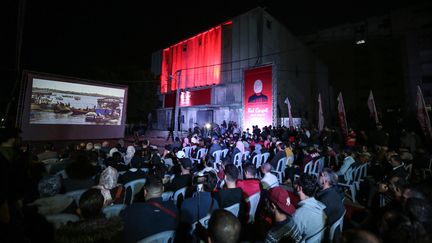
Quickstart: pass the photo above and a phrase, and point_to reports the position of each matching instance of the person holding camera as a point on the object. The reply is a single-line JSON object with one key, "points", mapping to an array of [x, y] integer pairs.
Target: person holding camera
{"points": [[203, 204]]}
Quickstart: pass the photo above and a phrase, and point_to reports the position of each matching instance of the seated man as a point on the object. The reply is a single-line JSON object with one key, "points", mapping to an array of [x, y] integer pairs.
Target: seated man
{"points": [[93, 227], [284, 229], [230, 194], [151, 217], [185, 177], [309, 217], [250, 185], [269, 180], [330, 195]]}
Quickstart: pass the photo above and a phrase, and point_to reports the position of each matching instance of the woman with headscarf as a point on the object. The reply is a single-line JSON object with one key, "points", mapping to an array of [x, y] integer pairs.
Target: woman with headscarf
{"points": [[130, 152], [111, 190]]}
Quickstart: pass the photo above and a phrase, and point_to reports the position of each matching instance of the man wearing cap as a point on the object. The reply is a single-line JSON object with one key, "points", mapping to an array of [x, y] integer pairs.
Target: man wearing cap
{"points": [[284, 228], [185, 177]]}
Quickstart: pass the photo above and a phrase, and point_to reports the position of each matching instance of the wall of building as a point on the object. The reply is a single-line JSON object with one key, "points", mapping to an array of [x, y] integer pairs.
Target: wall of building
{"points": [[252, 40]]}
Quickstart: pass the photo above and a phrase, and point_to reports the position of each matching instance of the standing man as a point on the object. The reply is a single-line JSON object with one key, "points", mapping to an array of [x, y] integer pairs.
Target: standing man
{"points": [[170, 133]]}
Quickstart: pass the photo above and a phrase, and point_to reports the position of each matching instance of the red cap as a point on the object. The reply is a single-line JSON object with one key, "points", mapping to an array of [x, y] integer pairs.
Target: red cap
{"points": [[280, 197]]}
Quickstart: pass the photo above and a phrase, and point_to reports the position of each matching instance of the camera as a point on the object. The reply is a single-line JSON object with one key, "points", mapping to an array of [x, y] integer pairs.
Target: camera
{"points": [[200, 179]]}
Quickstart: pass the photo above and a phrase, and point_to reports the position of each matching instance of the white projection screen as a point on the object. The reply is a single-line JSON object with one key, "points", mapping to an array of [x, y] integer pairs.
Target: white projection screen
{"points": [[61, 108]]}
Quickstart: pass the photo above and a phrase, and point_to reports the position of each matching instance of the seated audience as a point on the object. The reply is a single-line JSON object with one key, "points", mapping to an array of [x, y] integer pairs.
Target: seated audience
{"points": [[93, 226]]}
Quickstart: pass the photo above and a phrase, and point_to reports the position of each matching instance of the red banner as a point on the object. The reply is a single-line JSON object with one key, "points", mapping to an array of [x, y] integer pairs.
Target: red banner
{"points": [[258, 97], [189, 98]]}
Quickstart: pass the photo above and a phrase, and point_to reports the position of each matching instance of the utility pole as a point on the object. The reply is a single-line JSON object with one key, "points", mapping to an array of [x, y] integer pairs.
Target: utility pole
{"points": [[176, 112]]}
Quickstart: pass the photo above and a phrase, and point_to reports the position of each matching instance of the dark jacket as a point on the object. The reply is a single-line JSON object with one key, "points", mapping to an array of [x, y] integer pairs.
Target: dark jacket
{"points": [[332, 199]]}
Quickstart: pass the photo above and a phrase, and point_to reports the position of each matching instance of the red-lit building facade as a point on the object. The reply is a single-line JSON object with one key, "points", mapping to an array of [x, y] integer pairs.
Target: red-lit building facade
{"points": [[242, 71]]}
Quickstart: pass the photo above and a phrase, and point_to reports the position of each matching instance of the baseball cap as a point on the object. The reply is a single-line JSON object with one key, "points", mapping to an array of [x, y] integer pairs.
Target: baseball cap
{"points": [[186, 163], [280, 197], [180, 154]]}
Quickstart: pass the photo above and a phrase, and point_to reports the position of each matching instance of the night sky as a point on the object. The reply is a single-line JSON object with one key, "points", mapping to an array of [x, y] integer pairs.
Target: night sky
{"points": [[109, 40], [73, 35]]}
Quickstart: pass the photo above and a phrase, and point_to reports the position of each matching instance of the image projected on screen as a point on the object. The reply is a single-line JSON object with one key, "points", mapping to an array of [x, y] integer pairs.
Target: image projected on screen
{"points": [[54, 102]]}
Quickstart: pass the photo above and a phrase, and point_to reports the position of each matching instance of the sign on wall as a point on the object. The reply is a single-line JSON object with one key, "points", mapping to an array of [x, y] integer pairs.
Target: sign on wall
{"points": [[258, 97]]}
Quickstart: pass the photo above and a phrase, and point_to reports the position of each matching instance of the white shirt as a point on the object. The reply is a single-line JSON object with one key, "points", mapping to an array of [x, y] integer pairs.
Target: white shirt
{"points": [[270, 180]]}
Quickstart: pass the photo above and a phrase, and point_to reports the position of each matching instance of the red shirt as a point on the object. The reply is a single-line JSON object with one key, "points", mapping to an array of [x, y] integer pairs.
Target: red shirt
{"points": [[249, 186]]}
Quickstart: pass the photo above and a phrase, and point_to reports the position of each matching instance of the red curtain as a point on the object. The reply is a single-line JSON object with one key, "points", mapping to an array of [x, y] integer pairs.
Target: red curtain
{"points": [[198, 58]]}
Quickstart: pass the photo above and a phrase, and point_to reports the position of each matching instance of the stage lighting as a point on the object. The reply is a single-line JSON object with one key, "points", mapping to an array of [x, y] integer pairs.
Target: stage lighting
{"points": [[208, 125]]}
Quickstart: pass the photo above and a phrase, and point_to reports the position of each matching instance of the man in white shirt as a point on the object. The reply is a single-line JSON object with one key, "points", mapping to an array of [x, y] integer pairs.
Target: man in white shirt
{"points": [[269, 180]]}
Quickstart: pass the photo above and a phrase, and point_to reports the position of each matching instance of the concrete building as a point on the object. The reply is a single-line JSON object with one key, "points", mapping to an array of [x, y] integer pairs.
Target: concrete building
{"points": [[214, 90]]}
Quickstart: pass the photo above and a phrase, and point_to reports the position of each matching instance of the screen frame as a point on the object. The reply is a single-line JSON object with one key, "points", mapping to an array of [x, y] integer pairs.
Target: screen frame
{"points": [[44, 132]]}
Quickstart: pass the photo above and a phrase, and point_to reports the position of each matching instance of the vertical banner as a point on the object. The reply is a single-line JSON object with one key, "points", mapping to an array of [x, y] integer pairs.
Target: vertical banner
{"points": [[320, 114], [290, 121], [258, 97], [342, 114], [422, 114], [372, 107]]}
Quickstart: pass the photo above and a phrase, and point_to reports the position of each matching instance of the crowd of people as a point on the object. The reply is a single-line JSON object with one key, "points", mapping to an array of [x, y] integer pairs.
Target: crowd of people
{"points": [[382, 192]]}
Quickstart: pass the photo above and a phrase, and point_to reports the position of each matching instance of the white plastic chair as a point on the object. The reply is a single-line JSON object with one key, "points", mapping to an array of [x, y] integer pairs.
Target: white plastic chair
{"points": [[335, 225], [181, 191], [162, 237], [199, 155], [76, 195], [351, 182], [317, 166], [113, 210], [280, 169], [225, 152], [166, 196], [253, 200], [256, 160], [238, 162], [61, 219], [187, 150], [234, 209], [217, 155], [264, 157], [135, 186], [245, 155]]}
